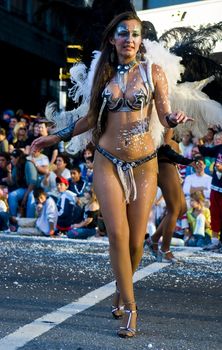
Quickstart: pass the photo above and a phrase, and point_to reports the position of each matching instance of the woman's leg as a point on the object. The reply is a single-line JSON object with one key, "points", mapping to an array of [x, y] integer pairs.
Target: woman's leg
{"points": [[126, 226], [112, 203], [138, 211], [169, 182]]}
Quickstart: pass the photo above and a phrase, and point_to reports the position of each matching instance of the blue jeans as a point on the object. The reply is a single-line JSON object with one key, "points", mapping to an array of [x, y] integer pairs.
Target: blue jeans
{"points": [[199, 241], [15, 197], [81, 233], [4, 216]]}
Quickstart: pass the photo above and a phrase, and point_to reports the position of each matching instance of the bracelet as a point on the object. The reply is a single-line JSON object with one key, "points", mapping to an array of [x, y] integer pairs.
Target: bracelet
{"points": [[66, 134], [170, 123]]}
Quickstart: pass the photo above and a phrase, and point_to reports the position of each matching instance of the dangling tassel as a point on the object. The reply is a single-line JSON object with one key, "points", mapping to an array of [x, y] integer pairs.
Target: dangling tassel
{"points": [[133, 188], [128, 182], [100, 115], [124, 182]]}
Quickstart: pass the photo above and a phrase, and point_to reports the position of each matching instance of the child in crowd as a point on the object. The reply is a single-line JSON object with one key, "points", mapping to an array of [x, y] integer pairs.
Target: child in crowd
{"points": [[48, 213], [69, 212], [4, 215], [78, 185], [89, 171], [87, 227], [216, 191], [88, 152], [199, 221]]}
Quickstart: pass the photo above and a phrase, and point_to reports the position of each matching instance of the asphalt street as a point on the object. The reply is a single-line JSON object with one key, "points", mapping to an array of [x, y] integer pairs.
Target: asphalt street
{"points": [[56, 294]]}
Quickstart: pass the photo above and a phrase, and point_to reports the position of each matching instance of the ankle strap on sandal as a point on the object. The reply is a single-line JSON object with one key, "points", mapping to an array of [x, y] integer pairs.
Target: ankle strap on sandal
{"points": [[168, 251], [130, 312]]}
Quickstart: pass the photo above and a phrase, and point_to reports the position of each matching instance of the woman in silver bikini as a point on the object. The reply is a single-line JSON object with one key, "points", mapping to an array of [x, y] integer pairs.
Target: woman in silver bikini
{"points": [[125, 164]]}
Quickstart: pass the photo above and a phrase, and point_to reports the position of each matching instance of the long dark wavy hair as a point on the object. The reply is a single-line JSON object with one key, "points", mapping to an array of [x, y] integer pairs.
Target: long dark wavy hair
{"points": [[105, 70]]}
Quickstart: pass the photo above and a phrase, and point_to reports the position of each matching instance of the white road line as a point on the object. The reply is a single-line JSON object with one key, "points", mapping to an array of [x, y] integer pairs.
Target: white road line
{"points": [[25, 334]]}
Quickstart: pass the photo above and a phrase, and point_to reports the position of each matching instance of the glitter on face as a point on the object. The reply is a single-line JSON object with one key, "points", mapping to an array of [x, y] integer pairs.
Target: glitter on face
{"points": [[125, 31]]}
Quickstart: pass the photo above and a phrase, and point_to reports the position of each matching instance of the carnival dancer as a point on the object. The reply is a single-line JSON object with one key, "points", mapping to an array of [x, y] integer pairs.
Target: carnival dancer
{"points": [[125, 162], [169, 182]]}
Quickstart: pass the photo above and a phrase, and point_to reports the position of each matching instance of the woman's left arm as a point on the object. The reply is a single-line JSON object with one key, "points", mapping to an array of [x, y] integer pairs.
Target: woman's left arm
{"points": [[167, 118]]}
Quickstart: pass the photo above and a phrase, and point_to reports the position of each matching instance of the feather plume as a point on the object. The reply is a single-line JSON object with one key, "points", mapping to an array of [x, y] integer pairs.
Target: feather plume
{"points": [[189, 98]]}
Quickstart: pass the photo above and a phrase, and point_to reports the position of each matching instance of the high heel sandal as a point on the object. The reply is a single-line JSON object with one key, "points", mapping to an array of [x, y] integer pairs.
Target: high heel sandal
{"points": [[152, 246], [128, 331], [117, 309], [166, 257]]}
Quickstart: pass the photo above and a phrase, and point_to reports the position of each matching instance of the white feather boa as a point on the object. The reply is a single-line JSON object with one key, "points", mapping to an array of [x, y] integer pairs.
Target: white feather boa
{"points": [[82, 84], [187, 97]]}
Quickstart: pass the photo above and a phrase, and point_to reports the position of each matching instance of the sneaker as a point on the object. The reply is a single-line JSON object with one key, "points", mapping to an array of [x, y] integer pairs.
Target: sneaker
{"points": [[153, 247], [213, 246], [166, 257], [12, 228]]}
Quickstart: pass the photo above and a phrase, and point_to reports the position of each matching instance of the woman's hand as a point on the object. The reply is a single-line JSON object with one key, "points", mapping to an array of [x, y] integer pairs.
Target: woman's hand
{"points": [[44, 141], [175, 118]]}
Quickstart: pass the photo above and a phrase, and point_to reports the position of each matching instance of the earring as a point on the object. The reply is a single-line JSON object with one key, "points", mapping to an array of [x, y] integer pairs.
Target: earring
{"points": [[112, 55], [138, 56]]}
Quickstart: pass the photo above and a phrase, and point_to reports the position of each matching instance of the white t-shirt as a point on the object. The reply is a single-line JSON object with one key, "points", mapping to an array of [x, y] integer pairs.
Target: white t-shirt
{"points": [[197, 181], [186, 150]]}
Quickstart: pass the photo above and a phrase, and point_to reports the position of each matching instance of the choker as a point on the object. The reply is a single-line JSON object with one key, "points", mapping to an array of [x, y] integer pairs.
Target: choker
{"points": [[124, 68]]}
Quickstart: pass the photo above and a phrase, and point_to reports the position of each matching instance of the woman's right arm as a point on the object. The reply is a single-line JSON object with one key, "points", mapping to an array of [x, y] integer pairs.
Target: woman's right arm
{"points": [[167, 118], [66, 134]]}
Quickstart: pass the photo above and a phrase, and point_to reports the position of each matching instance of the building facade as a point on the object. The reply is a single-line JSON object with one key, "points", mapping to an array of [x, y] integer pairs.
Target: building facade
{"points": [[32, 51], [33, 46]]}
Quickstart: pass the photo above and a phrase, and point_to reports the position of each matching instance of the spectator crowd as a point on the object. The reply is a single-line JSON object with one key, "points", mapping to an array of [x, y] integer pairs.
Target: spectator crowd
{"points": [[50, 192]]}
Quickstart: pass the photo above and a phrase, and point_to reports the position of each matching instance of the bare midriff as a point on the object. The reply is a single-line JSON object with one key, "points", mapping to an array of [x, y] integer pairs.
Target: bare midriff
{"points": [[124, 136]]}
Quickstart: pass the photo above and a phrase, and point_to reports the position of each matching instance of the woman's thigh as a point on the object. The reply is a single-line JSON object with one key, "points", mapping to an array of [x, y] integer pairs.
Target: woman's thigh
{"points": [[110, 195], [125, 219], [138, 211], [169, 182]]}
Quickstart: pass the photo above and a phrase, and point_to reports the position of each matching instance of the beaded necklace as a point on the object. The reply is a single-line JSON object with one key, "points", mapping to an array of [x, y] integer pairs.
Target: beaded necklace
{"points": [[124, 68], [122, 73]]}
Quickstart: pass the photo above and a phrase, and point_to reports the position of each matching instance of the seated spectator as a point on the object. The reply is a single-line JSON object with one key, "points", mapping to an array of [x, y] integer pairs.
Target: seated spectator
{"points": [[87, 227], [41, 163], [4, 215], [199, 181], [88, 152], [25, 177], [199, 220], [186, 144], [10, 133], [20, 140], [3, 141], [5, 119], [48, 215], [52, 151], [5, 168], [185, 148], [61, 169], [32, 135], [89, 171], [25, 119], [77, 184], [208, 139], [216, 194], [69, 211]]}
